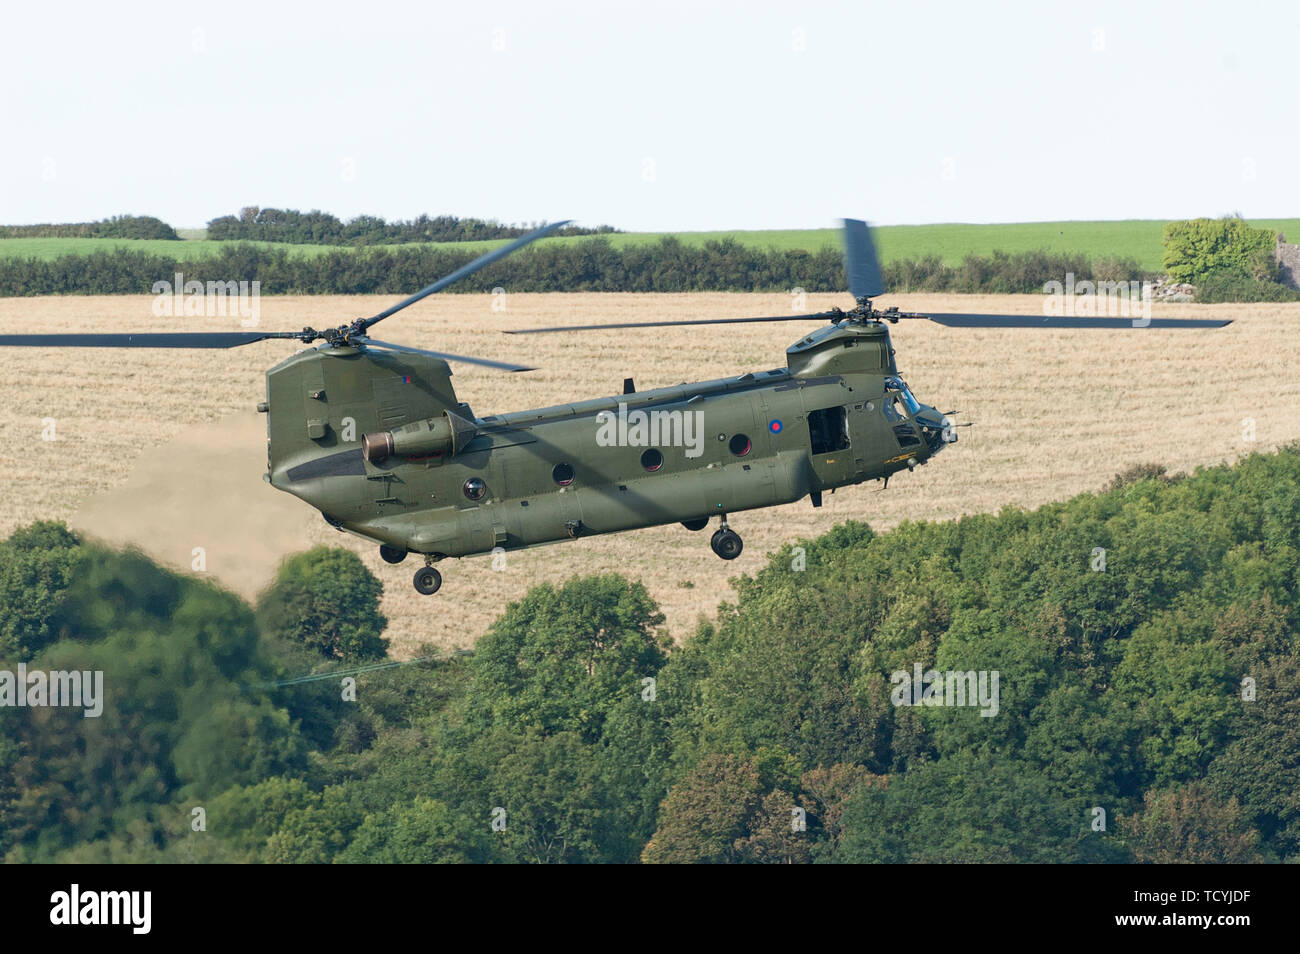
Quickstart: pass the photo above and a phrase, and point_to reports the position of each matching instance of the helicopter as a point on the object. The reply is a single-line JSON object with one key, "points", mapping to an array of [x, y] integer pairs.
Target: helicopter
{"points": [[372, 434]]}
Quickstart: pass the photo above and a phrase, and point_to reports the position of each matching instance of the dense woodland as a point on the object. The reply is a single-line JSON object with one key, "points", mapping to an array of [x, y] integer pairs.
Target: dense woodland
{"points": [[1161, 687]]}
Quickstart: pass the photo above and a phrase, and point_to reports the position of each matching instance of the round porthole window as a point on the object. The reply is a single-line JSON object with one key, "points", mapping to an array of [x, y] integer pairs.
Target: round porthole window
{"points": [[740, 445], [474, 488], [562, 474], [652, 460]]}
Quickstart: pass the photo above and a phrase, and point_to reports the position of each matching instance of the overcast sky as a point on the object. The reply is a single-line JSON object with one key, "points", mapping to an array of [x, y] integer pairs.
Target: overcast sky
{"points": [[654, 115]]}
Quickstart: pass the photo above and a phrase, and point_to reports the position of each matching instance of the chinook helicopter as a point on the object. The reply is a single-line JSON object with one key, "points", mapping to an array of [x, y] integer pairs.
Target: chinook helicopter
{"points": [[428, 476]]}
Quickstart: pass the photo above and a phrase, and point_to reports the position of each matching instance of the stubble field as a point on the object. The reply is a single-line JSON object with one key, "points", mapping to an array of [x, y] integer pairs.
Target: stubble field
{"points": [[164, 450]]}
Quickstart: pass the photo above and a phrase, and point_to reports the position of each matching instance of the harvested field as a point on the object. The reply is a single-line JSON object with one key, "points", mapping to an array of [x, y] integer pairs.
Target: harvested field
{"points": [[163, 449]]}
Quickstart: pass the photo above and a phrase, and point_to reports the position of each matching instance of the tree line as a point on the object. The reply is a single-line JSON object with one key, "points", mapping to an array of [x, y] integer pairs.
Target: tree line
{"points": [[1145, 639], [322, 228], [116, 227], [593, 264]]}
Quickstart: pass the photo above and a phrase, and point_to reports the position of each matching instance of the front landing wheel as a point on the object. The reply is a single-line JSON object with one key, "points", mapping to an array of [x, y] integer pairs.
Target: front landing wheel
{"points": [[427, 580], [727, 544]]}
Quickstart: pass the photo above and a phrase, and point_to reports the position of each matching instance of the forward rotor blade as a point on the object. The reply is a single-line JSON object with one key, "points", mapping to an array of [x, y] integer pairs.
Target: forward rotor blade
{"points": [[480, 262], [404, 349], [191, 339], [860, 262], [1031, 321], [821, 316]]}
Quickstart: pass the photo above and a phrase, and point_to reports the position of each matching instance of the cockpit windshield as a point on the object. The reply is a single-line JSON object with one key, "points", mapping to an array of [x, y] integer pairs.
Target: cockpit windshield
{"points": [[897, 384]]}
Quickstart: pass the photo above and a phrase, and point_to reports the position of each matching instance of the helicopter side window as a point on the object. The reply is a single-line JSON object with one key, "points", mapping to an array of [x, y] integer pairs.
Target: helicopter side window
{"points": [[828, 429]]}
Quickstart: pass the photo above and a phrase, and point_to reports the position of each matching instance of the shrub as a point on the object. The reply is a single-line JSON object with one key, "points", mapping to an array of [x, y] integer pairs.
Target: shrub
{"points": [[1228, 286], [1201, 247]]}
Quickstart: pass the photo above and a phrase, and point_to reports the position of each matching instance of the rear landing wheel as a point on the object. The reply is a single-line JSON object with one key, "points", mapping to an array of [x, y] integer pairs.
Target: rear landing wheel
{"points": [[391, 554], [699, 524], [727, 544], [427, 580]]}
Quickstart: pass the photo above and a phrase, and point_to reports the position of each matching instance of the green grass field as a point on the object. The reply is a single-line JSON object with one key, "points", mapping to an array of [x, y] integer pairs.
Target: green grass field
{"points": [[1138, 239]]}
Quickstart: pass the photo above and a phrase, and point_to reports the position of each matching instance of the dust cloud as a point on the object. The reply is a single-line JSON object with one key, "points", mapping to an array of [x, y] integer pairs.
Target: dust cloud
{"points": [[203, 491]]}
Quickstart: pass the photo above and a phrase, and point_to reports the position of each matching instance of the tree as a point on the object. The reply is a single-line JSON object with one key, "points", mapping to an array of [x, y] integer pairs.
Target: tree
{"points": [[1187, 825], [1201, 247], [827, 791], [246, 816], [772, 834], [327, 600], [1180, 688], [1261, 767], [563, 659], [778, 668], [423, 832], [634, 757], [556, 807], [968, 808], [37, 563], [171, 663], [706, 813]]}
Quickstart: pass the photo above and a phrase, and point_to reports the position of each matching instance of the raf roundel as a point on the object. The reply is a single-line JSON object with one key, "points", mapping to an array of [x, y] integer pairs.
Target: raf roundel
{"points": [[775, 426]]}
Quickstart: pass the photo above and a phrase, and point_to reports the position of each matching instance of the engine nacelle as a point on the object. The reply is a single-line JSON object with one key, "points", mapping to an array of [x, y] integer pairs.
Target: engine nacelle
{"points": [[448, 434]]}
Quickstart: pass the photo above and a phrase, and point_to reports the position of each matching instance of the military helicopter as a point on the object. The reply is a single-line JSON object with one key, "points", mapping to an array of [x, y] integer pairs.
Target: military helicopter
{"points": [[372, 434]]}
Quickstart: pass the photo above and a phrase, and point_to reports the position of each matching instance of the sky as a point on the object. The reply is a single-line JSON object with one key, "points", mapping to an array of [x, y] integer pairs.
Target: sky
{"points": [[652, 116]]}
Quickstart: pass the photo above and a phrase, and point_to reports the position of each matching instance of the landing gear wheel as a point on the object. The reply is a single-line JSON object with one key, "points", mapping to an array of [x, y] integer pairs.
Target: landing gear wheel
{"points": [[727, 544], [391, 554], [699, 524], [427, 580]]}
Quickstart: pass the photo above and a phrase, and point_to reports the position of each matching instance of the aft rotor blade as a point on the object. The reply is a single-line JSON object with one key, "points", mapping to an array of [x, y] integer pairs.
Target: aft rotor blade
{"points": [[1031, 321], [860, 263], [820, 316], [192, 339], [480, 262], [467, 359]]}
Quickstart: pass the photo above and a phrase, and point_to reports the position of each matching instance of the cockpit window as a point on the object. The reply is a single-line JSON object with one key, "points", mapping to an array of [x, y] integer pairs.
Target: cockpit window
{"points": [[913, 406]]}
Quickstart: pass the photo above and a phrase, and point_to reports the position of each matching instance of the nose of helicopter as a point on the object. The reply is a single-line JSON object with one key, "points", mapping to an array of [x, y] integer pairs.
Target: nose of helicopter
{"points": [[936, 428]]}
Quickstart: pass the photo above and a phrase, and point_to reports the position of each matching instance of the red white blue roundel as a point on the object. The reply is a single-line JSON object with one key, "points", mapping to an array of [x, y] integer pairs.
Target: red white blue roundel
{"points": [[775, 426]]}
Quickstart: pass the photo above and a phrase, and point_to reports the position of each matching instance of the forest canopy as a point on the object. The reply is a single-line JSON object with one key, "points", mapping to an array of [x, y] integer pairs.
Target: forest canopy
{"points": [[1148, 704]]}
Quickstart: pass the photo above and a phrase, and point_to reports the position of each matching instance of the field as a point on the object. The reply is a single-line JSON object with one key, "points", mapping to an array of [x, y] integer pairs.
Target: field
{"points": [[1137, 239], [164, 449]]}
